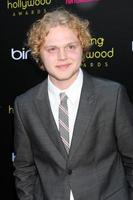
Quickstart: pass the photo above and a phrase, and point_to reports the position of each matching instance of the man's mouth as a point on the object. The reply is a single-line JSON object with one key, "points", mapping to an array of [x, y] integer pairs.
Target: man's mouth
{"points": [[63, 66]]}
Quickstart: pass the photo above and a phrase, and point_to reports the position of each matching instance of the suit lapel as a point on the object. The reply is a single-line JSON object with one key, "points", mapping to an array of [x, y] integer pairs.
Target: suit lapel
{"points": [[44, 109], [83, 119], [84, 114]]}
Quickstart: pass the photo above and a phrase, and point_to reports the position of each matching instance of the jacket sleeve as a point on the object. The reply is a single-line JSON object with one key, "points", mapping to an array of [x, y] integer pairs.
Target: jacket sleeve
{"points": [[124, 133], [25, 171]]}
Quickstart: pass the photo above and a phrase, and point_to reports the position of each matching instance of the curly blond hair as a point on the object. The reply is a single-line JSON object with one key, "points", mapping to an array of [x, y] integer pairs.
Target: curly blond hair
{"points": [[40, 29]]}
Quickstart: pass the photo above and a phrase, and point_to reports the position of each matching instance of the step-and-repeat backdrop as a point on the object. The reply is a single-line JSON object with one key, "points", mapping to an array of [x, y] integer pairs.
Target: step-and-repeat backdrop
{"points": [[110, 57]]}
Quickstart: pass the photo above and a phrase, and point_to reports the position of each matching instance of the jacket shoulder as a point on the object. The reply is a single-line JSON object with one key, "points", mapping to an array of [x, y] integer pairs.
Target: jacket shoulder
{"points": [[103, 88], [30, 94], [106, 84]]}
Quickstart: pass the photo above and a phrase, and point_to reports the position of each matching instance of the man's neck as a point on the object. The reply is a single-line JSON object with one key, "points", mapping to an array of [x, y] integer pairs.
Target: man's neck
{"points": [[64, 84]]}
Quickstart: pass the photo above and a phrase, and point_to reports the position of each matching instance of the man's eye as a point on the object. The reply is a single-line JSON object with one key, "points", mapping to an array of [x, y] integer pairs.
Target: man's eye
{"points": [[72, 47], [52, 50]]}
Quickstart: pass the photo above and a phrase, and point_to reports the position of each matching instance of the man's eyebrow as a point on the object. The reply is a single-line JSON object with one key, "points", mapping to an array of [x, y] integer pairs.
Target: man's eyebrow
{"points": [[51, 45], [46, 46]]}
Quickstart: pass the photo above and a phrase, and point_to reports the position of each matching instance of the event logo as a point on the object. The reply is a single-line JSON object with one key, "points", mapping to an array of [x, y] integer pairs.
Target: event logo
{"points": [[99, 57], [80, 1], [99, 42], [26, 4], [13, 156], [10, 109], [18, 55], [27, 7]]}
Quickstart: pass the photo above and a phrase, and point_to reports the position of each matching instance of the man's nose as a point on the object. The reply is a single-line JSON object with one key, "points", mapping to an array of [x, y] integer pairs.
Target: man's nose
{"points": [[62, 55]]}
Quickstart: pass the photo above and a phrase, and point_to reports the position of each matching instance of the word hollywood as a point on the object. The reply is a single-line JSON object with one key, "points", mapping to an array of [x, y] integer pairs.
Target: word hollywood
{"points": [[26, 4], [18, 55], [99, 42], [100, 54]]}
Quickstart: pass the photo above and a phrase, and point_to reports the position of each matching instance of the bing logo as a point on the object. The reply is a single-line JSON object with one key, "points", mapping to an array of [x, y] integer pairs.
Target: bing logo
{"points": [[19, 54]]}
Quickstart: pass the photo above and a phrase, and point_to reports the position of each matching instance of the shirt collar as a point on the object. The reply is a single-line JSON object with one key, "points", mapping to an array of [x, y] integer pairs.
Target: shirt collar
{"points": [[72, 92]]}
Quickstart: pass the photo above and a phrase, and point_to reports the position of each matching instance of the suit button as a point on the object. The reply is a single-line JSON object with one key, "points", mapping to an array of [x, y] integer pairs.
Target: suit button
{"points": [[69, 171]]}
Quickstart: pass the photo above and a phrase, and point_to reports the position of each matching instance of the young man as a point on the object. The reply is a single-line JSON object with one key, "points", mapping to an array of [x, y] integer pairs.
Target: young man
{"points": [[73, 132]]}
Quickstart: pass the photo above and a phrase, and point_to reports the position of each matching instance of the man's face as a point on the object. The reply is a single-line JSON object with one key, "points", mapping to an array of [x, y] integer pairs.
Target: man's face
{"points": [[61, 54]]}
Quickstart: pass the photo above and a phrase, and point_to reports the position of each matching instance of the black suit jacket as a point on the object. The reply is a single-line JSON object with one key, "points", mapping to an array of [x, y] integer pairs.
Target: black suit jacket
{"points": [[100, 162]]}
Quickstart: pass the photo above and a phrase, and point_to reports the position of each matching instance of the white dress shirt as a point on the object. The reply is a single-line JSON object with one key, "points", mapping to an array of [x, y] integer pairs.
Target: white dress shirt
{"points": [[73, 93]]}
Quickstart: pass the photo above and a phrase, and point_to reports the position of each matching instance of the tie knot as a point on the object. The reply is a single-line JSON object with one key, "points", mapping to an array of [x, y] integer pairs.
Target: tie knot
{"points": [[63, 96]]}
